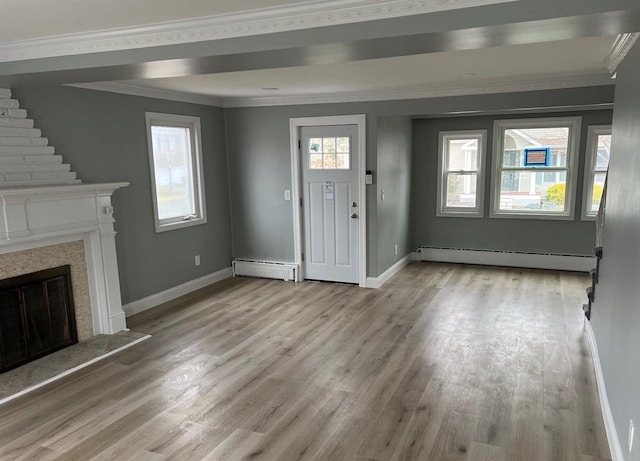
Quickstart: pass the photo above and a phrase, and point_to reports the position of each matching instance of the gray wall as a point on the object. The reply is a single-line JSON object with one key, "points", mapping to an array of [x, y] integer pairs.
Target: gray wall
{"points": [[616, 312], [531, 235], [394, 178], [260, 166], [260, 171], [103, 136]]}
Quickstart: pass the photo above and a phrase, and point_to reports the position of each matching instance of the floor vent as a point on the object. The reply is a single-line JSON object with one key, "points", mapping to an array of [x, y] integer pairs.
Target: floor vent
{"points": [[265, 269], [556, 261]]}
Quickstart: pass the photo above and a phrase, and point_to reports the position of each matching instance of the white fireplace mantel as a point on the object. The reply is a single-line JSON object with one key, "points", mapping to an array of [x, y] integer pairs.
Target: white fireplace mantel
{"points": [[33, 217]]}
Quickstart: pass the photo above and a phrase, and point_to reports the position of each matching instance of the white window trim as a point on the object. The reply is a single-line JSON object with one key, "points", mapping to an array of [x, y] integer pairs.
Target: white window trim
{"points": [[573, 151], [592, 148], [193, 123], [441, 209]]}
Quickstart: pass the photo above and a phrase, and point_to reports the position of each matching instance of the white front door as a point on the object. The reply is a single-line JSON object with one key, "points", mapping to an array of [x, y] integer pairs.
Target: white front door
{"points": [[331, 202]]}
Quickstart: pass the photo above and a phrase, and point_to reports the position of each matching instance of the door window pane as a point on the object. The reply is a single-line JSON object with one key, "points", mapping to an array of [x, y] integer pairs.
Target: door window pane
{"points": [[329, 153], [342, 145], [315, 145]]}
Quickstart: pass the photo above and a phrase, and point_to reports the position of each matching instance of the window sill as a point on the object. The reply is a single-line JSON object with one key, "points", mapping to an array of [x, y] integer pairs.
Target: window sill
{"points": [[459, 214], [164, 227], [552, 217]]}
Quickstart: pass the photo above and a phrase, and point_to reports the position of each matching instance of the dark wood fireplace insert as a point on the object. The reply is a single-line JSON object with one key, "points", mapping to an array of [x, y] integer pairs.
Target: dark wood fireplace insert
{"points": [[36, 316]]}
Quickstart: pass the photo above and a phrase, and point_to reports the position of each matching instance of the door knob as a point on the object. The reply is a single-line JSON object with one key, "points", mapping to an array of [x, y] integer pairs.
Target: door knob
{"points": [[354, 215], [354, 204]]}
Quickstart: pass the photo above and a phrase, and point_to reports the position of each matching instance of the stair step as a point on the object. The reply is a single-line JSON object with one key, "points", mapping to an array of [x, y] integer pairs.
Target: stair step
{"points": [[27, 150], [15, 113], [28, 183], [49, 177], [22, 141], [45, 159], [9, 103], [36, 168], [16, 122], [46, 176], [26, 159], [20, 132]]}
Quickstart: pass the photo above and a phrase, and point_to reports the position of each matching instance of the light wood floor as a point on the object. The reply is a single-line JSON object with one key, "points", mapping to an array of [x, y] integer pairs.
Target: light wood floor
{"points": [[445, 362]]}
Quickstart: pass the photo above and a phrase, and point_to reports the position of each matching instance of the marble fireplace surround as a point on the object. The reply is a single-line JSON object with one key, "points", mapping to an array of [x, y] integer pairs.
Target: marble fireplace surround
{"points": [[44, 216]]}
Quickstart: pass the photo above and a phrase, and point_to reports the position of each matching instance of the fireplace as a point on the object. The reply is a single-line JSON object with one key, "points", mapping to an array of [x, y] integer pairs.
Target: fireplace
{"points": [[49, 218], [50, 226], [36, 316]]}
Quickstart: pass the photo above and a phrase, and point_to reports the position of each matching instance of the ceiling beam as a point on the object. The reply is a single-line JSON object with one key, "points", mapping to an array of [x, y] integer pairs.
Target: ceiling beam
{"points": [[70, 69]]}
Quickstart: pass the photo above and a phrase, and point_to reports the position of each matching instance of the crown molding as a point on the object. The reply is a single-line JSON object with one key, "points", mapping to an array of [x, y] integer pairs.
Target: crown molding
{"points": [[485, 87], [136, 90], [423, 92], [312, 14], [619, 50]]}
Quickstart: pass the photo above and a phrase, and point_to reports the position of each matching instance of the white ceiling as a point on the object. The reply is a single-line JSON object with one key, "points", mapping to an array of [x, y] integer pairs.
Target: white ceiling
{"points": [[48, 26], [557, 60]]}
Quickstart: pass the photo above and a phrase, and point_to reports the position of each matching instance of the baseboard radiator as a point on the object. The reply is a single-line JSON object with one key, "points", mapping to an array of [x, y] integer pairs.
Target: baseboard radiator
{"points": [[554, 261], [265, 269]]}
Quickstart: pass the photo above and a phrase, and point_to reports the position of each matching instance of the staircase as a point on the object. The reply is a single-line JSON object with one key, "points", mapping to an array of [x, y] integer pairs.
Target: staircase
{"points": [[26, 159]]}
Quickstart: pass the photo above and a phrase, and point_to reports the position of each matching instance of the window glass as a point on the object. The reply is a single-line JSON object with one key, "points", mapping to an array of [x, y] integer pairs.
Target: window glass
{"points": [[172, 160], [176, 170], [597, 164], [329, 153], [460, 165], [534, 169]]}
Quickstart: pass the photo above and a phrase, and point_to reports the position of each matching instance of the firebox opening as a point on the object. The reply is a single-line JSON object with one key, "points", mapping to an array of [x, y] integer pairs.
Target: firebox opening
{"points": [[37, 316]]}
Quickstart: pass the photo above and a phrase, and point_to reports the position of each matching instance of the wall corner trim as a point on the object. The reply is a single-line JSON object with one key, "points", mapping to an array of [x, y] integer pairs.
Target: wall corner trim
{"points": [[377, 282], [607, 416], [156, 299]]}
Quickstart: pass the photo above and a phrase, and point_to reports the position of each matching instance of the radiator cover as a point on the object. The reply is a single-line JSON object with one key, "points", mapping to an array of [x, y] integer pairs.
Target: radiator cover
{"points": [[265, 269], [507, 258]]}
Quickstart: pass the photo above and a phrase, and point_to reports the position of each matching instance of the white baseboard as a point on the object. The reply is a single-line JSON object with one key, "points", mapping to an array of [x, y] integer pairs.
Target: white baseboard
{"points": [[507, 258], [377, 282], [154, 300], [609, 424]]}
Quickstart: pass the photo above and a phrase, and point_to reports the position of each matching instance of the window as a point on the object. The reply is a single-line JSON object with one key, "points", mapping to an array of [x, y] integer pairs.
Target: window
{"points": [[461, 175], [596, 165], [329, 153], [534, 167], [175, 156]]}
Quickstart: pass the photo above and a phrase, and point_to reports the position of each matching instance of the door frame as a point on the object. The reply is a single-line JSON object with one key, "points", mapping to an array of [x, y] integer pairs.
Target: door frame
{"points": [[360, 120]]}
